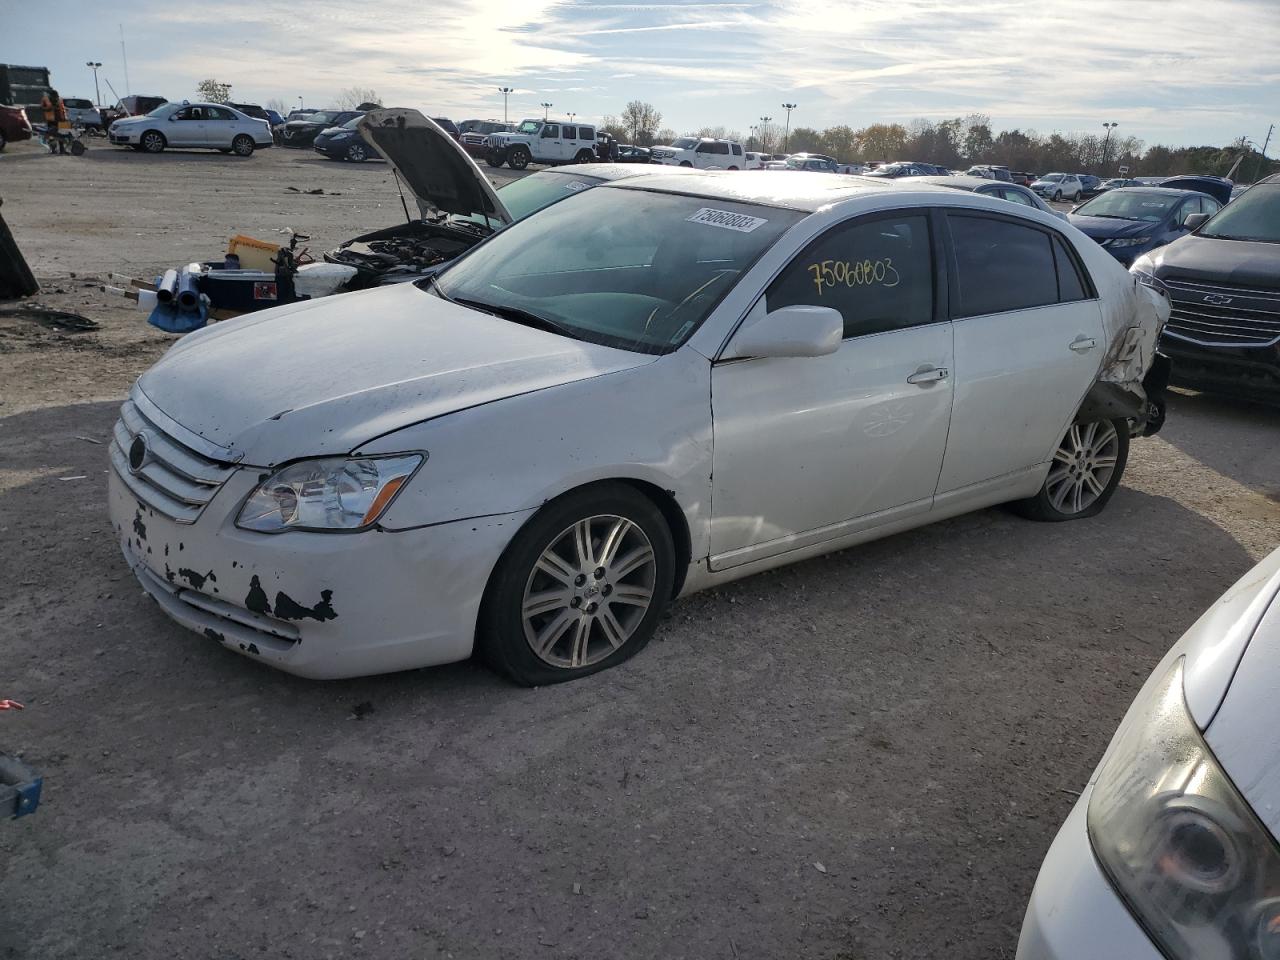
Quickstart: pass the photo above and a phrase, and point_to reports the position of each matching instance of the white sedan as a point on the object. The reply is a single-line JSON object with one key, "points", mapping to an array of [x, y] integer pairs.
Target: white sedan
{"points": [[1170, 853], [211, 125], [649, 388]]}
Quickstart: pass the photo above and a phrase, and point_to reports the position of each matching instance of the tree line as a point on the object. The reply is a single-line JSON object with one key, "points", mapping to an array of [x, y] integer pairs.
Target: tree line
{"points": [[963, 141]]}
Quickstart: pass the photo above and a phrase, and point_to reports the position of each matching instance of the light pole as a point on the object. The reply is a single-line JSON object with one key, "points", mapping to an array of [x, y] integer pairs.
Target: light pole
{"points": [[97, 95], [545, 107], [1107, 143], [787, 136], [506, 92], [752, 138], [764, 122], [299, 102], [571, 116]]}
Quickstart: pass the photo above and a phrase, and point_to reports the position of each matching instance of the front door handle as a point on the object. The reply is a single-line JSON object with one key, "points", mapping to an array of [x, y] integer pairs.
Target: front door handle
{"points": [[1081, 344], [927, 375]]}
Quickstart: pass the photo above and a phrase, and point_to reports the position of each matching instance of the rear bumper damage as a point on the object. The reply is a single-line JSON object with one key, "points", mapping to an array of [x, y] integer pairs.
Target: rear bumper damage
{"points": [[1134, 375]]}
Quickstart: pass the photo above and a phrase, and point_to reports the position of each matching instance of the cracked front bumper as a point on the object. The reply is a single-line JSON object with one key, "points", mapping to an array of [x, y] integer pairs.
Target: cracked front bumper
{"points": [[318, 605]]}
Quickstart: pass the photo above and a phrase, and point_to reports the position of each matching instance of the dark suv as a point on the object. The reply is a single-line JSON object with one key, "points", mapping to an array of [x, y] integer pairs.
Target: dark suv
{"points": [[1223, 280], [303, 132]]}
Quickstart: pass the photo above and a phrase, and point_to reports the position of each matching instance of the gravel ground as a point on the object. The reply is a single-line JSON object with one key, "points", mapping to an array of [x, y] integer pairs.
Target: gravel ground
{"points": [[861, 756]]}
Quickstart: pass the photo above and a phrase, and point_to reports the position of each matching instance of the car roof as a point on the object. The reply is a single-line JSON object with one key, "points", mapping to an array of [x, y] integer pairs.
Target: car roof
{"points": [[964, 182], [619, 171], [801, 190], [1160, 191]]}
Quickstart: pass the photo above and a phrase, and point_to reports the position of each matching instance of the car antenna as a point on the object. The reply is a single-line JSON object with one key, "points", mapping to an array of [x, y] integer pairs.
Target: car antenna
{"points": [[407, 218]]}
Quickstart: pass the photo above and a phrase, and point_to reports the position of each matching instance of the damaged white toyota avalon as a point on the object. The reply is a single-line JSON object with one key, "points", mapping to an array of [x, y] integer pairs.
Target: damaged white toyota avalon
{"points": [[647, 389]]}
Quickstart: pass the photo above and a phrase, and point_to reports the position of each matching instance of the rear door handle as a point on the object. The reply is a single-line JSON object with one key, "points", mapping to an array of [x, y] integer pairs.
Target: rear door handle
{"points": [[927, 375], [1081, 344]]}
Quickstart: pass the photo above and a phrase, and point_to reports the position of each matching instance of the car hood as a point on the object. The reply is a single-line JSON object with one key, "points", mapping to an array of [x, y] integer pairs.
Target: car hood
{"points": [[1241, 733], [1104, 228], [441, 175], [1215, 187], [327, 375], [1244, 262], [306, 125]]}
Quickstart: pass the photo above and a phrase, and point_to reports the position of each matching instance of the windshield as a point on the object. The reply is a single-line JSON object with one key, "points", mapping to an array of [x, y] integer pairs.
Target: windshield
{"points": [[1122, 205], [684, 143], [322, 116], [625, 268], [530, 194], [163, 110], [352, 123], [529, 126], [1254, 216], [1052, 177]]}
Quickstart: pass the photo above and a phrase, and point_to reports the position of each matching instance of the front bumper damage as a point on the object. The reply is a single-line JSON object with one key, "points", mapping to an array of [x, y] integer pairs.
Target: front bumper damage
{"points": [[319, 605]]}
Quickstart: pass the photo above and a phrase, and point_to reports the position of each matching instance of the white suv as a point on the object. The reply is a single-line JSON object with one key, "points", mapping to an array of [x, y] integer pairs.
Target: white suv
{"points": [[1059, 186], [543, 141], [701, 152]]}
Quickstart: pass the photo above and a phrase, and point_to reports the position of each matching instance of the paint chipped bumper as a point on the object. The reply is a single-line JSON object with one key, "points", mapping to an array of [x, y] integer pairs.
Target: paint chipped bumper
{"points": [[314, 604]]}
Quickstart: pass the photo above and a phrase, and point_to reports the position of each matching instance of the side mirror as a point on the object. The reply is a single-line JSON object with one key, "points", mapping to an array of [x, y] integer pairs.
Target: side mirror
{"points": [[797, 331], [1193, 220]]}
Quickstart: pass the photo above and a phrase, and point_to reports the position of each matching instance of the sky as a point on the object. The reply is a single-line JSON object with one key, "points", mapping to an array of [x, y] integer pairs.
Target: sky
{"points": [[1179, 72]]}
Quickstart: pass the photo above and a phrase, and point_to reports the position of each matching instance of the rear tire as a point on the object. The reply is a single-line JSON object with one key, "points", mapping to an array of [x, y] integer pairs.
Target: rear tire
{"points": [[584, 156], [153, 141], [3, 142], [518, 158], [243, 145], [581, 588], [1084, 474]]}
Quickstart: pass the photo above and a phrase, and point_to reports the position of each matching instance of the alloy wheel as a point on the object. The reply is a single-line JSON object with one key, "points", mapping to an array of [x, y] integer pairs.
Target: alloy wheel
{"points": [[152, 142], [356, 153], [589, 591], [1082, 466]]}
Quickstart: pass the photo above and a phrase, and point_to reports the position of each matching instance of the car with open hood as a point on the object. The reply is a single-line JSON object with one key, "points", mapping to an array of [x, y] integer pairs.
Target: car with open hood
{"points": [[1130, 221], [457, 205], [1171, 851], [629, 396], [1223, 279]]}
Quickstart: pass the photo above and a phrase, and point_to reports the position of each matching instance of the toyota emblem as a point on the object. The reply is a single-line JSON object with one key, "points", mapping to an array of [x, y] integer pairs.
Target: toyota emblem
{"points": [[139, 453], [1217, 299]]}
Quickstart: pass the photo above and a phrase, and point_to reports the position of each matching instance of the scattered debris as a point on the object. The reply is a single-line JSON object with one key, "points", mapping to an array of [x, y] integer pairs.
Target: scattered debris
{"points": [[89, 440], [577, 889], [50, 317], [77, 477], [361, 710], [317, 192], [819, 867]]}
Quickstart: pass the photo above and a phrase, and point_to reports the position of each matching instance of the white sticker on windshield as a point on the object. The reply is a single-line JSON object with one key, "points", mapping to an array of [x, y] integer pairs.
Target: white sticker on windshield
{"points": [[726, 220], [1153, 203], [576, 185]]}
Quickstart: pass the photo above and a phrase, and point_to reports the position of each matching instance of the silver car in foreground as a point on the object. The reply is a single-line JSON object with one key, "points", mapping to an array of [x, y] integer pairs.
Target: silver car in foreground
{"points": [[1170, 853], [212, 126]]}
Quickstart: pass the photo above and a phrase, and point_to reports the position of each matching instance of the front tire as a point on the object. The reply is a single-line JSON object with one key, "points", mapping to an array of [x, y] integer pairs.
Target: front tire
{"points": [[1057, 196], [685, 163], [519, 158], [243, 145], [153, 141], [581, 587], [357, 153], [495, 158], [1084, 474]]}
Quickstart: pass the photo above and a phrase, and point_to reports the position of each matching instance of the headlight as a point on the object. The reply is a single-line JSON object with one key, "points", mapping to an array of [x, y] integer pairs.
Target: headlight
{"points": [[1144, 272], [1182, 847], [345, 134], [1127, 241], [336, 493]]}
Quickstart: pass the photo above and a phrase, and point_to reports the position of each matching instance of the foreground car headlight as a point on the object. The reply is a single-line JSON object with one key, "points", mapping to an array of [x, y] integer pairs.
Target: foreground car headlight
{"points": [[335, 493], [344, 135], [1181, 846], [1127, 241], [1143, 270]]}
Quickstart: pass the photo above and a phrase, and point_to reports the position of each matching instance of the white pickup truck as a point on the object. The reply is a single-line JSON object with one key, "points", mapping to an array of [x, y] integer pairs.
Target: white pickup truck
{"points": [[543, 141]]}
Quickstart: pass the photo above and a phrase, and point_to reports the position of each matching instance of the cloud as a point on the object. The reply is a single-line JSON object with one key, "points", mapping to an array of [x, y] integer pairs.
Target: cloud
{"points": [[1152, 65]]}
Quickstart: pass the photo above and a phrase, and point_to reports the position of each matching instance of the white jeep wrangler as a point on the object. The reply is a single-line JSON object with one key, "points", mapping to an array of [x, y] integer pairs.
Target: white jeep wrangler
{"points": [[543, 141], [704, 153]]}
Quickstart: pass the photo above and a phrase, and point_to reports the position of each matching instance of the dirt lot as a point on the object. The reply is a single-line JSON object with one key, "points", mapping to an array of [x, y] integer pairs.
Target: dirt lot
{"points": [[912, 715]]}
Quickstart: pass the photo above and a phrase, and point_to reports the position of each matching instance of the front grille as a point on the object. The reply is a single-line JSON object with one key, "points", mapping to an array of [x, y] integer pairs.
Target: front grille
{"points": [[1215, 315], [174, 480]]}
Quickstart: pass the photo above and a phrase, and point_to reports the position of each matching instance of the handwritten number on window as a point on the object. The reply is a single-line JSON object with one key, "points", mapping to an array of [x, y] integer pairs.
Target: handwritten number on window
{"points": [[857, 273]]}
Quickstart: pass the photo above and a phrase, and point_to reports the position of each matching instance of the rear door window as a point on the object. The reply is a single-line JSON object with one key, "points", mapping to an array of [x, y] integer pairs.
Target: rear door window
{"points": [[1000, 266], [570, 133], [877, 272], [737, 150]]}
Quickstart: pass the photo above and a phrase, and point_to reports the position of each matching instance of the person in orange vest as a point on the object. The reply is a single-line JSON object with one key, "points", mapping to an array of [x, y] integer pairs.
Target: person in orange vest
{"points": [[55, 120]]}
